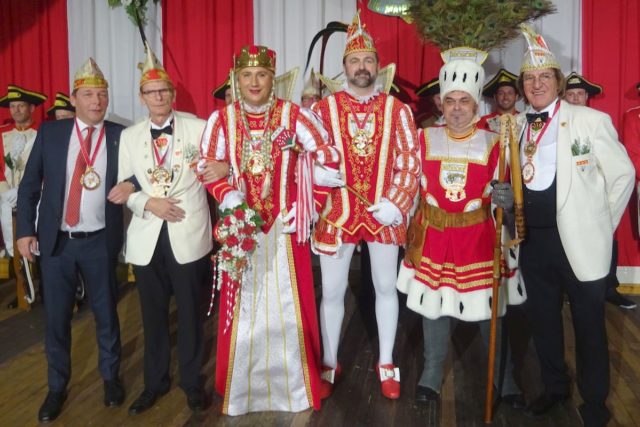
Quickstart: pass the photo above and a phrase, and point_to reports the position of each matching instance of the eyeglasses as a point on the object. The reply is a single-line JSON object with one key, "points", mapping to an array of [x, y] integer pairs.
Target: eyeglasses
{"points": [[544, 78], [161, 92]]}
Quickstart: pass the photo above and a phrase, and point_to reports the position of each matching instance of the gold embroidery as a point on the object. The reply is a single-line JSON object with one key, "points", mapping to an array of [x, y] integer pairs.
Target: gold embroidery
{"points": [[296, 302]]}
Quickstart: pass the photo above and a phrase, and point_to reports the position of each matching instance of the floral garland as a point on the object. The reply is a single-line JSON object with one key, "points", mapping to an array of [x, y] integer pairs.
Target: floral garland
{"points": [[237, 231], [136, 9]]}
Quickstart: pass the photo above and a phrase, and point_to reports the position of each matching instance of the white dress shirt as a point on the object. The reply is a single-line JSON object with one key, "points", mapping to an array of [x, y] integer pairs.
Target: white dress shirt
{"points": [[92, 203], [544, 159]]}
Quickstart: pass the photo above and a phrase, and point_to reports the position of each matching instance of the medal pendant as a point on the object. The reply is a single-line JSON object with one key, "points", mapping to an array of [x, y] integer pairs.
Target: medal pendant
{"points": [[530, 148], [161, 176], [256, 164], [361, 144], [90, 179], [528, 172]]}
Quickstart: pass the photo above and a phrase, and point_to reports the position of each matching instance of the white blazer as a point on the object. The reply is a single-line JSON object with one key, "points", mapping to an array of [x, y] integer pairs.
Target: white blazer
{"points": [[592, 189], [190, 238]]}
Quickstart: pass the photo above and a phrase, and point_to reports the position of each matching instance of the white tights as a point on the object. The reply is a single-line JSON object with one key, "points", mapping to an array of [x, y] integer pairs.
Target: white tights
{"points": [[335, 278]]}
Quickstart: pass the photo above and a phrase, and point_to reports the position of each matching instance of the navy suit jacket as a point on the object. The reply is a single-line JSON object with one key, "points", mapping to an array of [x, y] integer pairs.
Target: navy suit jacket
{"points": [[44, 180]]}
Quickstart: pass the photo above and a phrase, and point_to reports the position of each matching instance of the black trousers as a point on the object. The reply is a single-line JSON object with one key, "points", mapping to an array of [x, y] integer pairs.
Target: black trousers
{"points": [[60, 273], [156, 282], [548, 276]]}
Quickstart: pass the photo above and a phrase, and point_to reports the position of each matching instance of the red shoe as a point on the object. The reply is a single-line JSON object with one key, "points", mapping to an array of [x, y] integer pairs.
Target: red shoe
{"points": [[328, 377], [389, 377]]}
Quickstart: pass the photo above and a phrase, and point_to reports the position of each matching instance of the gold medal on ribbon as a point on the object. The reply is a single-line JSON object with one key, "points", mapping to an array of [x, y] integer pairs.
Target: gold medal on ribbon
{"points": [[90, 179], [530, 148], [256, 164], [528, 172], [361, 143], [160, 175]]}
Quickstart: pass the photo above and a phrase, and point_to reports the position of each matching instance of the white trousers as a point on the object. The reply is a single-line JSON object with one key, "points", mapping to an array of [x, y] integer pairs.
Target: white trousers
{"points": [[335, 278]]}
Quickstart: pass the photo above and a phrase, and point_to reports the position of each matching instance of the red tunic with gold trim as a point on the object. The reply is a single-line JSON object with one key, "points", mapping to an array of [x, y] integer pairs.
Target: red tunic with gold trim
{"points": [[268, 359], [456, 273], [627, 231], [379, 159], [491, 121]]}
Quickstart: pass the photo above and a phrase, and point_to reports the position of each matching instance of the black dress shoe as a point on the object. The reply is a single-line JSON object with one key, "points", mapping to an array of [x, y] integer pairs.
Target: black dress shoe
{"points": [[113, 393], [544, 403], [614, 297], [426, 394], [52, 406], [515, 401], [145, 401], [196, 400]]}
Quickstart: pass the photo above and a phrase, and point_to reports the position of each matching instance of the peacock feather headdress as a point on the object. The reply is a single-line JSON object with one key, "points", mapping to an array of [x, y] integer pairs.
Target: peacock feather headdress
{"points": [[466, 29], [481, 24]]}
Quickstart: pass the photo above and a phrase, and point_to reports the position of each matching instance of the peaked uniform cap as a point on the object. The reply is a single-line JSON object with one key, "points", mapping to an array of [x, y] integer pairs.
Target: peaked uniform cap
{"points": [[576, 81], [16, 93], [538, 55], [502, 78], [358, 39], [89, 75], [152, 69], [255, 56], [61, 102], [429, 88], [220, 90]]}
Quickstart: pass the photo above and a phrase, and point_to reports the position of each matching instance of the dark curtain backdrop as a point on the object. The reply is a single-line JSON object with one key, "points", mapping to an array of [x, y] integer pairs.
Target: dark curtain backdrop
{"points": [[397, 41], [200, 38], [611, 53], [34, 49]]}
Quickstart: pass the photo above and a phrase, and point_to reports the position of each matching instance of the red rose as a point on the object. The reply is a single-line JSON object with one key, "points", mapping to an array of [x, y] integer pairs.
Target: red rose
{"points": [[247, 245], [232, 241], [226, 255], [227, 221], [248, 229], [239, 213]]}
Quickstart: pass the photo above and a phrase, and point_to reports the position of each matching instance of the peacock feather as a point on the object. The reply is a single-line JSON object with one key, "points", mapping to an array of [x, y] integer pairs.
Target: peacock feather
{"points": [[481, 24]]}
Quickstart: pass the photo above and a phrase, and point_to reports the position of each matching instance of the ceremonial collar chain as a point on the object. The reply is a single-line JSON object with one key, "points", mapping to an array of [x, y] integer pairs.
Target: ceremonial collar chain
{"points": [[257, 146]]}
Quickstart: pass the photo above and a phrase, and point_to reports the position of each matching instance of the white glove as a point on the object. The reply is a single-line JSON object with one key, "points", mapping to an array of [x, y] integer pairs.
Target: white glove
{"points": [[289, 221], [232, 200], [10, 197], [327, 177], [386, 213]]}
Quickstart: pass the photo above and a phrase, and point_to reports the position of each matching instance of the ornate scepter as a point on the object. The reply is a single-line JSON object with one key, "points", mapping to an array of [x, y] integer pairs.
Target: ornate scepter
{"points": [[516, 179], [497, 274]]}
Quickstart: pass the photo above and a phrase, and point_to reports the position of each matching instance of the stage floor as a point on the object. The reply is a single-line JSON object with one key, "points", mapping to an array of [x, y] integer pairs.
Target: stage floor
{"points": [[357, 400]]}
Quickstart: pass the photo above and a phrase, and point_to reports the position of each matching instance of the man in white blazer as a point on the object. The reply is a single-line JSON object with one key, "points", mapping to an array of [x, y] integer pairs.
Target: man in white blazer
{"points": [[577, 181], [169, 237]]}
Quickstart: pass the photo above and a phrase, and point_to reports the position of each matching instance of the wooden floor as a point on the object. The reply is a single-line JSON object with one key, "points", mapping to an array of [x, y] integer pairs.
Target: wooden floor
{"points": [[356, 401]]}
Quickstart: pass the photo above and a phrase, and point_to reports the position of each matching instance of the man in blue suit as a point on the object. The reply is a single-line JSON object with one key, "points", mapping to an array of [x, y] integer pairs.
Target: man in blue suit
{"points": [[72, 167]]}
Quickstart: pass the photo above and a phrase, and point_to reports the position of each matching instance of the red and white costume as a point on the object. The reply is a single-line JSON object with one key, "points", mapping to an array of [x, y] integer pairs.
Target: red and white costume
{"points": [[386, 168], [455, 275], [627, 231], [268, 359]]}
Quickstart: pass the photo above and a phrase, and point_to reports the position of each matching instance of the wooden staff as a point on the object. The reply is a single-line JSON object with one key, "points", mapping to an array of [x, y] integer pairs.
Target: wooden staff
{"points": [[497, 258], [516, 178]]}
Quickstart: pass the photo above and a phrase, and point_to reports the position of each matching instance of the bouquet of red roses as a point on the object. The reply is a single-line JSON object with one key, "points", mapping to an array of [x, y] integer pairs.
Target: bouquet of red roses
{"points": [[237, 231]]}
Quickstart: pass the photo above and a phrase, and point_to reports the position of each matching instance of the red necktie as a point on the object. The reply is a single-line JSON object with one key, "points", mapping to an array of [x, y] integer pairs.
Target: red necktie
{"points": [[75, 189]]}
